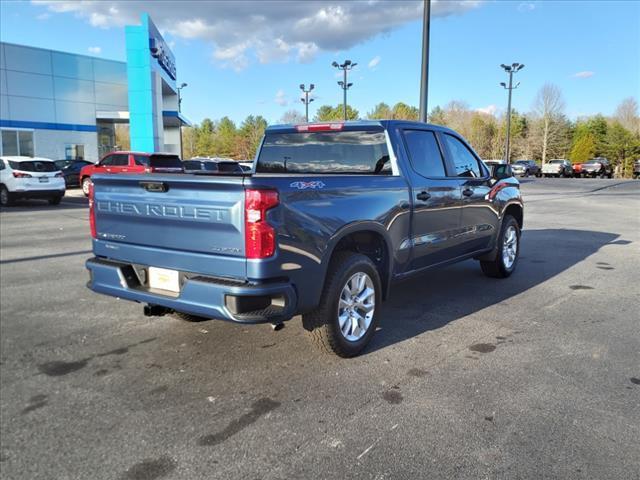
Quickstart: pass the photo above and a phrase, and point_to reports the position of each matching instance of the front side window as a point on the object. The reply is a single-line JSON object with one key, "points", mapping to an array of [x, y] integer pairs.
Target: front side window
{"points": [[120, 160], [106, 161], [424, 153], [465, 163], [350, 152]]}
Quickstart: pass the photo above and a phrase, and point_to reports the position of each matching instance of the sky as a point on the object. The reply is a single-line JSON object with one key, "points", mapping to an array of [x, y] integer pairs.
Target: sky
{"points": [[249, 57]]}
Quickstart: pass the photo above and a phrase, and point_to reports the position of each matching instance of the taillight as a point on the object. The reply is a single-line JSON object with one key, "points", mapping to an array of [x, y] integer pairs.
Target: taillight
{"points": [[92, 212], [21, 175], [259, 236]]}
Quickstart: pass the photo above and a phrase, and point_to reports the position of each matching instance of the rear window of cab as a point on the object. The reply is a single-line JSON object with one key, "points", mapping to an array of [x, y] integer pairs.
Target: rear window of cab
{"points": [[33, 166], [345, 152]]}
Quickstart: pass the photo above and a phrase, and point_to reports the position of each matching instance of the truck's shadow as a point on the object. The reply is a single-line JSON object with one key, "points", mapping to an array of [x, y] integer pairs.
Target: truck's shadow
{"points": [[436, 298]]}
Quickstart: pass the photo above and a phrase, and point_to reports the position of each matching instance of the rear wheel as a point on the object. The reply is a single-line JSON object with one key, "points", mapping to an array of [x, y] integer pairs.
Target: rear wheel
{"points": [[55, 200], [86, 184], [345, 320], [507, 252], [6, 199]]}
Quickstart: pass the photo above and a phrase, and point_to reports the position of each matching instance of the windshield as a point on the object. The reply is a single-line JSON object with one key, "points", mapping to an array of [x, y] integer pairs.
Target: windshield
{"points": [[521, 162], [593, 161], [34, 166], [351, 152], [556, 161]]}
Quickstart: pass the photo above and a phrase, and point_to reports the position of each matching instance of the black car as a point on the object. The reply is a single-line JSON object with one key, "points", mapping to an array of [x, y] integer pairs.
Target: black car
{"points": [[598, 166], [211, 165], [71, 170]]}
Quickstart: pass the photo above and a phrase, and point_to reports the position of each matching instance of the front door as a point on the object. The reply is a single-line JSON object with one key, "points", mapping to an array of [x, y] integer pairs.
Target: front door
{"points": [[436, 201]]}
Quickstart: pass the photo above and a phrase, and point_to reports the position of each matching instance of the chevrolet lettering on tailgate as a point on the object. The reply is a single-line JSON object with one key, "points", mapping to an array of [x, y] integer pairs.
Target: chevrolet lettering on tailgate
{"points": [[202, 214]]}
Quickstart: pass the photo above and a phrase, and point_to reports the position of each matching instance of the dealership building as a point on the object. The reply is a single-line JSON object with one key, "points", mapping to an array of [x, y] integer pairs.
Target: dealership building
{"points": [[61, 105]]}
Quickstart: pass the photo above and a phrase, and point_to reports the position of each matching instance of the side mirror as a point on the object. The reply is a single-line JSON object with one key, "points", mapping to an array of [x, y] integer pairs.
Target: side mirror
{"points": [[502, 171]]}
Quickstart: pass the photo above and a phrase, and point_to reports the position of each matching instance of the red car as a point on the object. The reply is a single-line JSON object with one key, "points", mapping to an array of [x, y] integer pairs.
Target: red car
{"points": [[577, 170], [131, 162]]}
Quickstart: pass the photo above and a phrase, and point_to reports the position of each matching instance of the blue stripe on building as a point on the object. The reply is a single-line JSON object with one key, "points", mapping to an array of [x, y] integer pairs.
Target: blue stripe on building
{"points": [[47, 126]]}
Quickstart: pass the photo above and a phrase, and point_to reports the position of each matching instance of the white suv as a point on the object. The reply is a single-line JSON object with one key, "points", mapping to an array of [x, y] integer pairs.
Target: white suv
{"points": [[26, 177]]}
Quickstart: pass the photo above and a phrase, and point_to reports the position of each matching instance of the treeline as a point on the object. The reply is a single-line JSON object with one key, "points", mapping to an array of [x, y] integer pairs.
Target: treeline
{"points": [[541, 134]]}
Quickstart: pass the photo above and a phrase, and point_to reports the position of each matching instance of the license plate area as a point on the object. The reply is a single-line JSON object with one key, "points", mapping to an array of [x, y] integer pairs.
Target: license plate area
{"points": [[164, 279], [43, 179]]}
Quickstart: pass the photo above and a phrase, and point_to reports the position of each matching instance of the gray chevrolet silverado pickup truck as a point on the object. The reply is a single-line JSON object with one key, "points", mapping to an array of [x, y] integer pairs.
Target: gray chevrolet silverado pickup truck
{"points": [[330, 216]]}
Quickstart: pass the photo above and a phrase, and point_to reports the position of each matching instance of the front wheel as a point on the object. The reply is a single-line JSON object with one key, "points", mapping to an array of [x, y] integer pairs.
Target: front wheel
{"points": [[507, 252], [86, 185], [345, 320]]}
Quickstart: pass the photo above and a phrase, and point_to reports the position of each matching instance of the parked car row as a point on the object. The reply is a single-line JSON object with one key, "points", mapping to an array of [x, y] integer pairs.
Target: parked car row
{"points": [[596, 167]]}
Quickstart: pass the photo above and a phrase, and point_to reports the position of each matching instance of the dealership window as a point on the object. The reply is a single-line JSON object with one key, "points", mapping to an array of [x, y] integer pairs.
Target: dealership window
{"points": [[74, 152], [17, 142]]}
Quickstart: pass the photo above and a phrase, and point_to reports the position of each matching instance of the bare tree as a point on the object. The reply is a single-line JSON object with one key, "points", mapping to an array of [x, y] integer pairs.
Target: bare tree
{"points": [[627, 115], [292, 116], [548, 107]]}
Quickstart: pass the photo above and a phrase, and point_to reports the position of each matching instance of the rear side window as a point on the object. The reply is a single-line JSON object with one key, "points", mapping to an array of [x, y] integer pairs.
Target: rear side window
{"points": [[352, 152], [34, 166], [424, 153], [165, 161], [142, 160], [465, 163]]}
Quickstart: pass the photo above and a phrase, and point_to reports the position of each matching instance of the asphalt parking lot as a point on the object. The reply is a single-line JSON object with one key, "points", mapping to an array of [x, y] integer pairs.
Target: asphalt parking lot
{"points": [[536, 376]]}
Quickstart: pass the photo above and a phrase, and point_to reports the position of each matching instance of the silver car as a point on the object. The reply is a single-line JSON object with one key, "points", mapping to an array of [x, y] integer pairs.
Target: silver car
{"points": [[557, 168]]}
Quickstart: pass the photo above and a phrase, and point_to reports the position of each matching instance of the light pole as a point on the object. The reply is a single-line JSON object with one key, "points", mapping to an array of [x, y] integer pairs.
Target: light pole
{"points": [[345, 67], [510, 69], [306, 100], [182, 85], [424, 79]]}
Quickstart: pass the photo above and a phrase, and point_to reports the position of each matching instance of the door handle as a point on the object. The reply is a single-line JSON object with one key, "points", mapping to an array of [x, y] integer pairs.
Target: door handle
{"points": [[424, 196], [467, 192]]}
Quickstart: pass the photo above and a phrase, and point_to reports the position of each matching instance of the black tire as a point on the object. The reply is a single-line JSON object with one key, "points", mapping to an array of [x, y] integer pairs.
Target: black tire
{"points": [[55, 200], [86, 181], [6, 199], [497, 268], [538, 174], [322, 323], [187, 317]]}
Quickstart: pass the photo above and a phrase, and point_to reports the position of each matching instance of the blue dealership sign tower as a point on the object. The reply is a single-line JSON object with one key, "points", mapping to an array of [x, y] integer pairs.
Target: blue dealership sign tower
{"points": [[154, 117]]}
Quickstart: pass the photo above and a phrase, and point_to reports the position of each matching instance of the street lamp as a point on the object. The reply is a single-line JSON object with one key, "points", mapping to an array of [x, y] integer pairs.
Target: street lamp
{"points": [[182, 85], [510, 69], [345, 67], [306, 100], [424, 77]]}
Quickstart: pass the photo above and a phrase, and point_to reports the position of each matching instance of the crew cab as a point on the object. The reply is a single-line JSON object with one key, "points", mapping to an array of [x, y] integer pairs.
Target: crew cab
{"points": [[329, 218], [130, 162]]}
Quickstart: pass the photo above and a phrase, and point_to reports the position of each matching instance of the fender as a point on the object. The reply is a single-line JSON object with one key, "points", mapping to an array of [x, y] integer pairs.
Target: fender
{"points": [[494, 251], [360, 226]]}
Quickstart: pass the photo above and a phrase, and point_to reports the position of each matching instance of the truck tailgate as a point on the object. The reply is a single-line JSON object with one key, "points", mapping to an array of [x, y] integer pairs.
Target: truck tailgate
{"points": [[158, 219]]}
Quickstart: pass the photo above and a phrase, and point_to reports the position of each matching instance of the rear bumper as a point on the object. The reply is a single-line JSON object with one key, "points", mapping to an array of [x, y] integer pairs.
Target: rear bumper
{"points": [[38, 193], [203, 296]]}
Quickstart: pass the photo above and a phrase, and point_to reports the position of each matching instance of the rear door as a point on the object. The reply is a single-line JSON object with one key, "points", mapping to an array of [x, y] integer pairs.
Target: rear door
{"points": [[479, 218], [436, 200]]}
